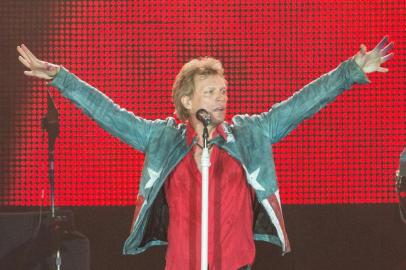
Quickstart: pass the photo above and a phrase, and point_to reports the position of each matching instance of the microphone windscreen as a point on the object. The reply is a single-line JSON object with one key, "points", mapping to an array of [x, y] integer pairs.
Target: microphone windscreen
{"points": [[203, 116]]}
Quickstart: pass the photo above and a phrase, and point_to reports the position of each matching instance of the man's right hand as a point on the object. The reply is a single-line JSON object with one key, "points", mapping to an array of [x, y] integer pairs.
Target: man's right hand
{"points": [[39, 69]]}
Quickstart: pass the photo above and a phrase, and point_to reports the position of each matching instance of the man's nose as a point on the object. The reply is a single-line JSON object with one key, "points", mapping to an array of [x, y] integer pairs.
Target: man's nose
{"points": [[221, 96]]}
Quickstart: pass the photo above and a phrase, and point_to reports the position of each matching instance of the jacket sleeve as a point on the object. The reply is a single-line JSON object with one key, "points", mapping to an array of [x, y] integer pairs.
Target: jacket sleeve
{"points": [[285, 116], [128, 127]]}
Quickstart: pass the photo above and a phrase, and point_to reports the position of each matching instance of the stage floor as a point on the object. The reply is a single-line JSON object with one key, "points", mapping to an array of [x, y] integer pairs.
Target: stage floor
{"points": [[364, 236]]}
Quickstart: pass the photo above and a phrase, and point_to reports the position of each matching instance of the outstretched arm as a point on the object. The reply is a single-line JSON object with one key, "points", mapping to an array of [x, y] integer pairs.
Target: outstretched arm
{"points": [[128, 127], [287, 115]]}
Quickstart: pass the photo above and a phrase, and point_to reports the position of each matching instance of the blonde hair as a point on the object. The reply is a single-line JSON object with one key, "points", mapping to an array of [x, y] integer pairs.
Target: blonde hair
{"points": [[184, 83]]}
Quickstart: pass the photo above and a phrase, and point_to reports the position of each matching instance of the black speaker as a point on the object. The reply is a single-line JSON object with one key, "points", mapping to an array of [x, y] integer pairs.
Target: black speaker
{"points": [[29, 240]]}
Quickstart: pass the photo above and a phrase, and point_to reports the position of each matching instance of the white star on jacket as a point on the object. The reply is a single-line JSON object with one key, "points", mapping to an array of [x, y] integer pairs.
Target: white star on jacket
{"points": [[153, 176], [252, 179]]}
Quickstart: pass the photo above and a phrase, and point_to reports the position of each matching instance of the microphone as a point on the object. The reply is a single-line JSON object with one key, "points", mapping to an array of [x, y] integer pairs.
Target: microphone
{"points": [[203, 116]]}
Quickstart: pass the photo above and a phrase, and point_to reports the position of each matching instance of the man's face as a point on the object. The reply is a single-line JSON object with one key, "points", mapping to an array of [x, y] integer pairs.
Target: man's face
{"points": [[210, 94]]}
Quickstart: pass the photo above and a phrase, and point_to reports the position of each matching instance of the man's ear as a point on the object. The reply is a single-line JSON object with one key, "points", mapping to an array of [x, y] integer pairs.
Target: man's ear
{"points": [[186, 102]]}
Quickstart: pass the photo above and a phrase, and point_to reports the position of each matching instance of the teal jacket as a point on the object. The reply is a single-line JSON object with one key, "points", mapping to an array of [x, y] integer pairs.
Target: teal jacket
{"points": [[249, 140]]}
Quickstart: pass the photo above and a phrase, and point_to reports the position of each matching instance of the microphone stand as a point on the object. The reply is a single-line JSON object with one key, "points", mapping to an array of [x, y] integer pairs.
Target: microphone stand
{"points": [[50, 124], [203, 116], [205, 164]]}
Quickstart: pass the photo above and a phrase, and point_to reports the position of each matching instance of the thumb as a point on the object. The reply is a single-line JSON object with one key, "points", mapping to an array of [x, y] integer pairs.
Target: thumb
{"points": [[40, 75], [381, 69], [363, 49]]}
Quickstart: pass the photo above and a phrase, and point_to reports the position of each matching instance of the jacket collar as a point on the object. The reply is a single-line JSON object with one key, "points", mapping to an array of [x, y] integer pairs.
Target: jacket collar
{"points": [[191, 133]]}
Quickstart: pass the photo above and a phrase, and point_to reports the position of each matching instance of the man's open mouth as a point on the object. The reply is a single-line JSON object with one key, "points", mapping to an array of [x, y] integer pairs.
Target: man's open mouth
{"points": [[219, 109]]}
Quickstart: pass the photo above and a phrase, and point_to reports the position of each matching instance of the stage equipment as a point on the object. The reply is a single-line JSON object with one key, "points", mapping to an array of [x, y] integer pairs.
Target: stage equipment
{"points": [[27, 241]]}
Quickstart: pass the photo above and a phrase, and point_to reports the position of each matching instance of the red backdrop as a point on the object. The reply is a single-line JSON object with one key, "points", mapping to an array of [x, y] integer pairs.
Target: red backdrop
{"points": [[132, 51]]}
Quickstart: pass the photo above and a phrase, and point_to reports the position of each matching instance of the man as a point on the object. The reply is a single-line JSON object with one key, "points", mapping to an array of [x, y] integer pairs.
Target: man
{"points": [[244, 203]]}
